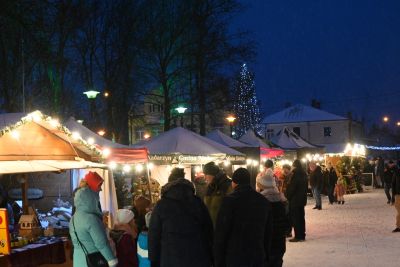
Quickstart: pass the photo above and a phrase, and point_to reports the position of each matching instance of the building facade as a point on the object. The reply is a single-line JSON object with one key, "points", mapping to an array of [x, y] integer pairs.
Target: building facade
{"points": [[314, 125], [146, 119]]}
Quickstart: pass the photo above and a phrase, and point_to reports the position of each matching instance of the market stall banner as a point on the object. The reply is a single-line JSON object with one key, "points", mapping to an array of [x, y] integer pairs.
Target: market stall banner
{"points": [[184, 159]]}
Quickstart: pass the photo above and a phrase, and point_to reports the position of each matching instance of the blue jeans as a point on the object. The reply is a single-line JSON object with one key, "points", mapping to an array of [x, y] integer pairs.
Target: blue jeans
{"points": [[317, 196]]}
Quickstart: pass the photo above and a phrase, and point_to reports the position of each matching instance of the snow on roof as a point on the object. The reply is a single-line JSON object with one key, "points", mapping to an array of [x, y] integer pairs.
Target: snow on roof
{"points": [[225, 140], [287, 139], [250, 138], [301, 113], [85, 133], [182, 141]]}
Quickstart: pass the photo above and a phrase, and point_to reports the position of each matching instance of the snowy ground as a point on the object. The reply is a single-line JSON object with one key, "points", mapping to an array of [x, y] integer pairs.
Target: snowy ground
{"points": [[358, 233]]}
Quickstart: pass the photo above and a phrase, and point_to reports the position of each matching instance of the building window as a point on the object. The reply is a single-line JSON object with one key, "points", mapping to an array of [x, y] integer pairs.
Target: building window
{"points": [[155, 108], [327, 131], [139, 134], [270, 133], [296, 130]]}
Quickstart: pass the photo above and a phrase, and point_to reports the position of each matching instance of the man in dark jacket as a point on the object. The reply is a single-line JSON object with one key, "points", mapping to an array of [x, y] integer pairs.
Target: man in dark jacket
{"points": [[244, 225], [180, 231], [396, 193], [218, 186], [316, 183], [331, 183], [296, 194], [389, 172]]}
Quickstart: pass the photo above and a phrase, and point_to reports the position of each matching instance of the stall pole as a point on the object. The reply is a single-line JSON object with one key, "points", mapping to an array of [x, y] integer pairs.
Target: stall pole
{"points": [[24, 191], [148, 183]]}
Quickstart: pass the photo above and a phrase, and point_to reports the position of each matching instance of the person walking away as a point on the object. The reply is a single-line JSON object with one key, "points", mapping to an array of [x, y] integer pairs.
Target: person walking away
{"points": [[244, 226], [218, 186], [143, 244], [87, 230], [296, 194], [316, 183], [389, 172], [124, 236], [396, 193], [280, 222], [340, 190], [331, 183], [181, 230]]}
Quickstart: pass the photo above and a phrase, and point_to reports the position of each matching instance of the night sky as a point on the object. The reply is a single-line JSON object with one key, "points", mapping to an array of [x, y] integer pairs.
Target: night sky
{"points": [[345, 53]]}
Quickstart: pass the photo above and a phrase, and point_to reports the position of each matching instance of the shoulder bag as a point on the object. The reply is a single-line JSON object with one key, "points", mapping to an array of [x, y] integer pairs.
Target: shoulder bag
{"points": [[95, 259]]}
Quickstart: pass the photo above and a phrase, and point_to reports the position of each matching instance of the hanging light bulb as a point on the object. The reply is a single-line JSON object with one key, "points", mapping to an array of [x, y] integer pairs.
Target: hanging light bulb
{"points": [[126, 168]]}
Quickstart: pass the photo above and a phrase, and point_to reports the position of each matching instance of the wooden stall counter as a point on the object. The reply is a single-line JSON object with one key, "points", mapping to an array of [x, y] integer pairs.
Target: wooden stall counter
{"points": [[45, 252]]}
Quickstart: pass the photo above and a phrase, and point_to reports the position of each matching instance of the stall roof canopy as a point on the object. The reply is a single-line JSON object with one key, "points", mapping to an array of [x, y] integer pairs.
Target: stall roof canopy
{"points": [[30, 139], [225, 140], [179, 141], [250, 138], [118, 152], [27, 166], [301, 113], [287, 139]]}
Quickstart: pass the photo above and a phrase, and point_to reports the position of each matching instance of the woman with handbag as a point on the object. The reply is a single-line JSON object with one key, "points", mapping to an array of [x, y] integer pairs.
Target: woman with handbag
{"points": [[88, 234]]}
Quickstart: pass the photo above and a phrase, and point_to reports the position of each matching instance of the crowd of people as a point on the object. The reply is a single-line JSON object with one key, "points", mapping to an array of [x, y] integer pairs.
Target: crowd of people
{"points": [[232, 225]]}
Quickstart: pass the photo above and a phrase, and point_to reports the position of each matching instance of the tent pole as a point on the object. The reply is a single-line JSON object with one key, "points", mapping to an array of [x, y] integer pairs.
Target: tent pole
{"points": [[148, 183], [24, 191]]}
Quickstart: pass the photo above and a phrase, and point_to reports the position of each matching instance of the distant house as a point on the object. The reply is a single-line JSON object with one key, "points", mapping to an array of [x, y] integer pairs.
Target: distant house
{"points": [[316, 126]]}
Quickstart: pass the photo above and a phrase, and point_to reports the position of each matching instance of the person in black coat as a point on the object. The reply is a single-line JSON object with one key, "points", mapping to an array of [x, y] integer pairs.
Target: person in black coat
{"points": [[316, 183], [296, 194], [180, 231], [396, 193], [280, 222], [331, 183], [389, 172], [244, 226]]}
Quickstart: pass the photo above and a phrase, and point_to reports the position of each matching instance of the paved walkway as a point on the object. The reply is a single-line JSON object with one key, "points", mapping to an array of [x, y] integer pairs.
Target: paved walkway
{"points": [[357, 233]]}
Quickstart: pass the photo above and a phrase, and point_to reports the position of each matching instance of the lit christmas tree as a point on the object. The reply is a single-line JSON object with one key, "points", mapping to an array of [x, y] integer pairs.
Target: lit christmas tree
{"points": [[245, 104]]}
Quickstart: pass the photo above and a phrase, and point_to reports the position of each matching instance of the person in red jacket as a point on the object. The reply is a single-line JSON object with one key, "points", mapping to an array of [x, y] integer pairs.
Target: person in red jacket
{"points": [[124, 235]]}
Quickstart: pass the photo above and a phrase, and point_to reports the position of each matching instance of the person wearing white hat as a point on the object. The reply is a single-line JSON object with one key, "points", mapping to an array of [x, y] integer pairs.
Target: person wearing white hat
{"points": [[280, 221], [124, 235]]}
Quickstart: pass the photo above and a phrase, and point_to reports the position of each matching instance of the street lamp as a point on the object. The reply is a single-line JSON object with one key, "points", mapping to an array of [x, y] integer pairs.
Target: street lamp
{"points": [[398, 123], [385, 119], [91, 95], [181, 110], [231, 119]]}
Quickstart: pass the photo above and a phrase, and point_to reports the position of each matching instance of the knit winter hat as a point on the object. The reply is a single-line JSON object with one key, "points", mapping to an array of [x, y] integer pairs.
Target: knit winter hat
{"points": [[176, 173], [241, 176], [124, 216], [267, 179], [147, 218], [93, 180], [211, 169]]}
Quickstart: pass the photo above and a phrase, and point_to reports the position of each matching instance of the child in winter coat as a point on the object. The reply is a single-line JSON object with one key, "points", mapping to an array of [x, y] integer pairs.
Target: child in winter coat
{"points": [[124, 235], [340, 190], [143, 245]]}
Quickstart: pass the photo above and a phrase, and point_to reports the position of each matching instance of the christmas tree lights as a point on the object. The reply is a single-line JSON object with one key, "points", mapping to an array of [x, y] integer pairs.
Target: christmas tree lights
{"points": [[245, 104]]}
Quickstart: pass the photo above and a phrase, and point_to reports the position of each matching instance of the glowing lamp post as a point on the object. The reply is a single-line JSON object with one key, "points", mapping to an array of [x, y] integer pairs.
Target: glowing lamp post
{"points": [[231, 119], [385, 119], [91, 95], [181, 110]]}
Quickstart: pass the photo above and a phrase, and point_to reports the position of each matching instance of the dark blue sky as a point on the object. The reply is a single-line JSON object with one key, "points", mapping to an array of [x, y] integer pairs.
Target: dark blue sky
{"points": [[345, 53]]}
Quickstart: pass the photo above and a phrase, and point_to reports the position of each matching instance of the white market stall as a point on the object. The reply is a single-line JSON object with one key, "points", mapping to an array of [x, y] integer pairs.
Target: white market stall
{"points": [[184, 148]]}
